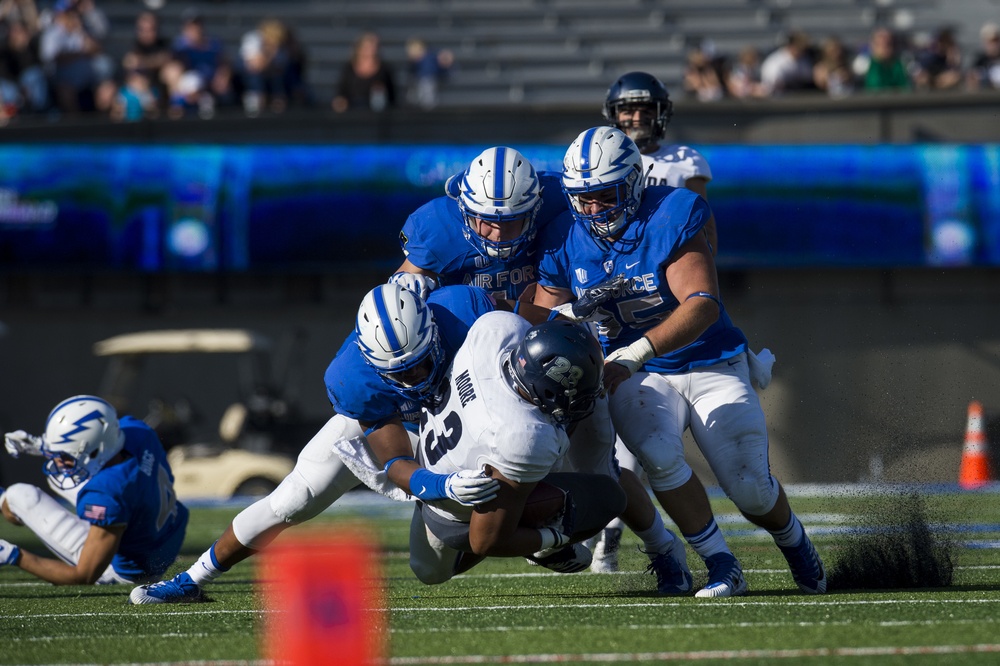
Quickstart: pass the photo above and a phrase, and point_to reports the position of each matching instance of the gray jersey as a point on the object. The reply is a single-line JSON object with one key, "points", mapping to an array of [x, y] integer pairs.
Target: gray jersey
{"points": [[673, 165], [483, 421]]}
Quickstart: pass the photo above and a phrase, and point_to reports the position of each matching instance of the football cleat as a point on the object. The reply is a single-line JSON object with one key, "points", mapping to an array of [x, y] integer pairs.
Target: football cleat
{"points": [[569, 559], [606, 551], [725, 577], [806, 565], [178, 590], [672, 575]]}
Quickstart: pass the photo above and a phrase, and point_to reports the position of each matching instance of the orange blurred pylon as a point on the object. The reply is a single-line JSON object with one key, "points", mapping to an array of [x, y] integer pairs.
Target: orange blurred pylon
{"points": [[975, 468], [323, 594]]}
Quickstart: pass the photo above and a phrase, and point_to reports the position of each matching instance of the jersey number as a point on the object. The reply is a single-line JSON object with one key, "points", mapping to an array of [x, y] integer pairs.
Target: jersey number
{"points": [[168, 500], [435, 445], [631, 313]]}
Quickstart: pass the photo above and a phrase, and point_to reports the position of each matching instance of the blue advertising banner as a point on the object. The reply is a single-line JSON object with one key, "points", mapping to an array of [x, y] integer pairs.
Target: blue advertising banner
{"points": [[328, 208]]}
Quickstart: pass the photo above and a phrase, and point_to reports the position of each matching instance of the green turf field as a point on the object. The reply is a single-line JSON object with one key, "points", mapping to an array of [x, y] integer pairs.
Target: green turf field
{"points": [[505, 611]]}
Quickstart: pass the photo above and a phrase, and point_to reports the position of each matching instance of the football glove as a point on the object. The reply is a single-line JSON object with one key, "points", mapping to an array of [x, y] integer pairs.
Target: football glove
{"points": [[587, 306], [19, 442], [558, 532], [633, 356], [421, 285], [471, 487], [9, 553]]}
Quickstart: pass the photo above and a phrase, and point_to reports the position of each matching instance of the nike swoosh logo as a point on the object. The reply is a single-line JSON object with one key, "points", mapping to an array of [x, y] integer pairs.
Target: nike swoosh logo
{"points": [[629, 267], [734, 362], [423, 489]]}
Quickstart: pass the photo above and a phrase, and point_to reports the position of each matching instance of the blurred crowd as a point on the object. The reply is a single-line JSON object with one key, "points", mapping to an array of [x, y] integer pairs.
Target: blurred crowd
{"points": [[888, 61], [54, 61]]}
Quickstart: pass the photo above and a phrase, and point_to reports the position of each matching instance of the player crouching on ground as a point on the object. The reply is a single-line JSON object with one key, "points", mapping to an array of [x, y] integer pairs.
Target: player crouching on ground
{"points": [[128, 525], [512, 391]]}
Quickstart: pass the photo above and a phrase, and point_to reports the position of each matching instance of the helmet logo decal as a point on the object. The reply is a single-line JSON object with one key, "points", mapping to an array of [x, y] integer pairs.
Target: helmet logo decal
{"points": [[392, 342], [564, 372], [81, 425]]}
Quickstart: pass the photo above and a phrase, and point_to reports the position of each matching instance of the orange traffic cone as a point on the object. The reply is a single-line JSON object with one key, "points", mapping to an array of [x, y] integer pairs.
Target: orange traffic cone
{"points": [[975, 468]]}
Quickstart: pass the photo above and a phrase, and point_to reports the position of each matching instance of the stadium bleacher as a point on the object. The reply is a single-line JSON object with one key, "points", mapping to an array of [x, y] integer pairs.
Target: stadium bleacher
{"points": [[540, 51]]}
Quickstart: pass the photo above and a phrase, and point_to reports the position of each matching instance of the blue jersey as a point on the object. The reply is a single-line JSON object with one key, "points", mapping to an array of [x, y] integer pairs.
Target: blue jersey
{"points": [[356, 390], [667, 219], [433, 238], [139, 493]]}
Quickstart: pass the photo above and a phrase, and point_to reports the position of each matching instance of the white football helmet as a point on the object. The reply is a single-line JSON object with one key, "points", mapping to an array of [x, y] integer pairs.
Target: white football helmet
{"points": [[500, 187], [81, 436], [603, 158], [399, 339]]}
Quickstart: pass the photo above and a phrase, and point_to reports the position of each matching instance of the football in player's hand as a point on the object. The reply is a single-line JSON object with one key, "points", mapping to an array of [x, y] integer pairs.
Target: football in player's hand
{"points": [[542, 506]]}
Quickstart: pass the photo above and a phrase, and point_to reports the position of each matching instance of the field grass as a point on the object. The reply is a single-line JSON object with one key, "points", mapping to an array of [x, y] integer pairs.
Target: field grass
{"points": [[505, 611]]}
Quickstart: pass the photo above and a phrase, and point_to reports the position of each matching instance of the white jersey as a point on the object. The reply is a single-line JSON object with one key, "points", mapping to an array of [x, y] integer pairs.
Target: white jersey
{"points": [[673, 165], [482, 421]]}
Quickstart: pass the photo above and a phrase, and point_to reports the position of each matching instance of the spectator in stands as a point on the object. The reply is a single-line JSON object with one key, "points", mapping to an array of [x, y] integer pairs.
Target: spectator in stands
{"points": [[938, 65], [296, 88], [789, 68], [832, 73], [703, 75], [366, 82], [428, 68], [149, 52], [136, 99], [264, 64], [70, 48], [20, 11], [882, 67], [21, 72], [743, 76], [985, 71], [203, 60]]}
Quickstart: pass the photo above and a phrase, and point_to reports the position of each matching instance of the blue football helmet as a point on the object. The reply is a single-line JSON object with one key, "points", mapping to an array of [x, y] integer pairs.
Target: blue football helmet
{"points": [[603, 160], [559, 365], [639, 89], [81, 436], [500, 187], [399, 339]]}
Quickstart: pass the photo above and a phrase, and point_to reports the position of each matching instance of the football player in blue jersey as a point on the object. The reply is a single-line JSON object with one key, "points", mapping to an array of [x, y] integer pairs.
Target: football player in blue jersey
{"points": [[674, 358], [393, 361], [486, 232], [127, 526], [482, 231]]}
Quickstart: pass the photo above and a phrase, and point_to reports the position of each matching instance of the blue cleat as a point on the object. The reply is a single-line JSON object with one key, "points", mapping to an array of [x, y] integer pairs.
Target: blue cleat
{"points": [[725, 577], [178, 590], [672, 575], [806, 565]]}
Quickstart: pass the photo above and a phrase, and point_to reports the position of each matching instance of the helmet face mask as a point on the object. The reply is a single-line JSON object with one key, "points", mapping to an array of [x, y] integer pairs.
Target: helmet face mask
{"points": [[603, 164], [81, 435], [397, 336], [639, 91], [559, 366], [499, 189]]}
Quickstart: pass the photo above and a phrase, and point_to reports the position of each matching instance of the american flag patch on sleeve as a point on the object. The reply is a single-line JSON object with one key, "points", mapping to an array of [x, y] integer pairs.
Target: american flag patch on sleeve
{"points": [[95, 512]]}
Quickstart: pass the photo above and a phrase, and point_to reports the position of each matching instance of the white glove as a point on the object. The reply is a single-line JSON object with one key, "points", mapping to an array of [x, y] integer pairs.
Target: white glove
{"points": [[470, 487], [9, 553], [19, 442], [760, 366], [634, 356], [422, 285]]}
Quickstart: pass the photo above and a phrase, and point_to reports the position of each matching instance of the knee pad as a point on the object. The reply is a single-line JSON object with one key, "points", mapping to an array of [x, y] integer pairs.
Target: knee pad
{"points": [[291, 499], [22, 498], [665, 468], [754, 496]]}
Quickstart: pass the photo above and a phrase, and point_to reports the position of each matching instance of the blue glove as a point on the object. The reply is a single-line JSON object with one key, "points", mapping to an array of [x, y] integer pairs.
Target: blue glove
{"points": [[9, 553], [587, 306]]}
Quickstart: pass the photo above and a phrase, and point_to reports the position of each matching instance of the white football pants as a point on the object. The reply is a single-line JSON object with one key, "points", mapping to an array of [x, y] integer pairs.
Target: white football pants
{"points": [[60, 530], [651, 411]]}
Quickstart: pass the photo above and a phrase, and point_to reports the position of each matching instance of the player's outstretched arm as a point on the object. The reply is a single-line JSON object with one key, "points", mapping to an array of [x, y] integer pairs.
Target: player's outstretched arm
{"points": [[98, 551]]}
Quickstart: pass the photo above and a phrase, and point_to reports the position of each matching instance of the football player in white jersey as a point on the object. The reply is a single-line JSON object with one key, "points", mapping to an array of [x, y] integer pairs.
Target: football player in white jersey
{"points": [[638, 104], [674, 358], [512, 392]]}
